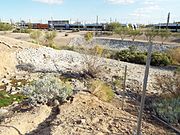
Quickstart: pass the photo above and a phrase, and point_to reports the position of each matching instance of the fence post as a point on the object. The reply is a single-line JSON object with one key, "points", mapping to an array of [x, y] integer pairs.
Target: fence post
{"points": [[148, 61], [124, 87]]}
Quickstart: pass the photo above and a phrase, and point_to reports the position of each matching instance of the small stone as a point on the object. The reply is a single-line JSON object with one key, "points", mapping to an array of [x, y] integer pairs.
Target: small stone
{"points": [[95, 120], [8, 88], [3, 111], [83, 121], [56, 102]]}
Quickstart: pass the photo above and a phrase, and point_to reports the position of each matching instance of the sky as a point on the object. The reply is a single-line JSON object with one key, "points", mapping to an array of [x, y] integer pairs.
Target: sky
{"points": [[124, 11]]}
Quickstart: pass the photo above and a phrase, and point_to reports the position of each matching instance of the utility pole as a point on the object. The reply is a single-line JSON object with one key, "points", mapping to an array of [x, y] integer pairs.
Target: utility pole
{"points": [[97, 20], [148, 61], [168, 18]]}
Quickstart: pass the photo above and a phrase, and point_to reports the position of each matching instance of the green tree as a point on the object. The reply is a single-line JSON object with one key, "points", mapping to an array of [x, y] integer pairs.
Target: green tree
{"points": [[164, 34], [112, 26], [150, 34], [134, 34], [122, 32]]}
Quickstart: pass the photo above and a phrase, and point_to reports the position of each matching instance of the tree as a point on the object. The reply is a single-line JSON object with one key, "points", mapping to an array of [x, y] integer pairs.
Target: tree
{"points": [[122, 32], [112, 26], [134, 33], [36, 34], [164, 34], [150, 34]]}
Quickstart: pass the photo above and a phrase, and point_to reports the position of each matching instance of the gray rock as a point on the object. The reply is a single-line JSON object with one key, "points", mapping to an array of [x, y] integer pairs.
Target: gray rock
{"points": [[3, 112]]}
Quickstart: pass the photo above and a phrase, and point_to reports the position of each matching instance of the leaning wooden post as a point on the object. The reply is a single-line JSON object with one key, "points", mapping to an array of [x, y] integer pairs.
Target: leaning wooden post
{"points": [[148, 61], [124, 87]]}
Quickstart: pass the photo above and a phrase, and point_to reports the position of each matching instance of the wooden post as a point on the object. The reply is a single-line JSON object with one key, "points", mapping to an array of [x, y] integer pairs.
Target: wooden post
{"points": [[124, 87], [148, 61]]}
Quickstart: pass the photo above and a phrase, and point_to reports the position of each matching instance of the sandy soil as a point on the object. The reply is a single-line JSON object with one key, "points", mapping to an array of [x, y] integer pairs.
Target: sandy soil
{"points": [[8, 47], [22, 123], [86, 115]]}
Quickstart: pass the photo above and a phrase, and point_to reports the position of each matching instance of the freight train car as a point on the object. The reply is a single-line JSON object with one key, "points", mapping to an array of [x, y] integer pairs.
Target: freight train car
{"points": [[40, 26]]}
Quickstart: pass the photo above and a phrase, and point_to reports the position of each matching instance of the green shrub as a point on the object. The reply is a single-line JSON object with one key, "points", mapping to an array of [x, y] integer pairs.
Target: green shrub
{"points": [[88, 36], [49, 39], [102, 90], [167, 106], [22, 31], [5, 26], [160, 59], [36, 35], [7, 99], [46, 89], [168, 109]]}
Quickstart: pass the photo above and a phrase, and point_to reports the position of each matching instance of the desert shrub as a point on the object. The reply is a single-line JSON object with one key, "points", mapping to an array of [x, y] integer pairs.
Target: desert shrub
{"points": [[175, 54], [88, 36], [49, 38], [5, 26], [130, 56], [169, 85], [18, 30], [93, 66], [168, 109], [93, 63], [167, 105], [46, 89], [101, 90], [160, 59], [117, 83], [36, 35]]}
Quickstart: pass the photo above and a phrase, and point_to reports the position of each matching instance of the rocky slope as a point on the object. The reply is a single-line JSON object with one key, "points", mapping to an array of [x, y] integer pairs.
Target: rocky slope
{"points": [[49, 60]]}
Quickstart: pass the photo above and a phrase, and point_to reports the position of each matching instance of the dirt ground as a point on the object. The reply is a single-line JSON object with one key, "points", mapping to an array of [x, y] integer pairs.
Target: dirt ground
{"points": [[85, 115], [8, 47]]}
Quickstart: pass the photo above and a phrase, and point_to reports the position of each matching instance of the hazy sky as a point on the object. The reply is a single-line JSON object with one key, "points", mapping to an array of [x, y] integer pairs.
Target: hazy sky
{"points": [[125, 11]]}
